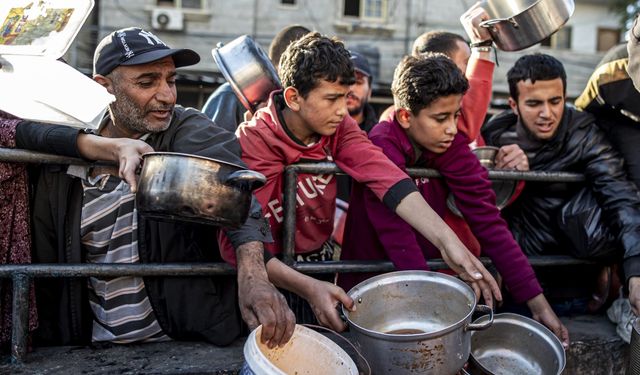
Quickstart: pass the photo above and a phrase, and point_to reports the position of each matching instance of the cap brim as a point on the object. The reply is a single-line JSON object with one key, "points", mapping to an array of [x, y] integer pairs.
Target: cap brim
{"points": [[181, 57], [362, 71]]}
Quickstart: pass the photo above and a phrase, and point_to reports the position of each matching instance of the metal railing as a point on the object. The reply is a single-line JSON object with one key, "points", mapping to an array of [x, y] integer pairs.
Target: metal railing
{"points": [[22, 274]]}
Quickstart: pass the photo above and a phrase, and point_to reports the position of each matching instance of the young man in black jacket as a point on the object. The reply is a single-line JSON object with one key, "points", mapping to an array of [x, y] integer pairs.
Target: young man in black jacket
{"points": [[556, 137]]}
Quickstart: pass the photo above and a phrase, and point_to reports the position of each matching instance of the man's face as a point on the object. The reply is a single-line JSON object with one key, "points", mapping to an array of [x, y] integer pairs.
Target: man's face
{"points": [[145, 96], [461, 55], [359, 94], [540, 106], [324, 108], [436, 125]]}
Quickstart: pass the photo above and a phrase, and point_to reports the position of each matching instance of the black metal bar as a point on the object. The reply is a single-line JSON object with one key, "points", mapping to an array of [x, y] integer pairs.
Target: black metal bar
{"points": [[20, 317], [326, 167], [115, 270], [217, 269], [26, 156], [289, 225], [437, 264]]}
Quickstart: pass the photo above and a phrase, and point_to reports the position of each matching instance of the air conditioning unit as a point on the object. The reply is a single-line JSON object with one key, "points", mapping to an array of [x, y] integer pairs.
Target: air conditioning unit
{"points": [[167, 19]]}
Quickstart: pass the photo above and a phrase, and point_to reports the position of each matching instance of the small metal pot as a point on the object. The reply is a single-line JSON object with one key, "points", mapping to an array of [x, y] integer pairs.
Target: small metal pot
{"points": [[414, 322], [515, 344], [504, 189], [248, 70], [519, 24], [182, 187]]}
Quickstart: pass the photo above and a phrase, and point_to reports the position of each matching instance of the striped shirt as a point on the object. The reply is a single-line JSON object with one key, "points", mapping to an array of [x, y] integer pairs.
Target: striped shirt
{"points": [[109, 233]]}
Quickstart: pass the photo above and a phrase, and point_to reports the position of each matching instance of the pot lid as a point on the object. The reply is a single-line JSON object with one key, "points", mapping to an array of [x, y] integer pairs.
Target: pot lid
{"points": [[40, 27]]}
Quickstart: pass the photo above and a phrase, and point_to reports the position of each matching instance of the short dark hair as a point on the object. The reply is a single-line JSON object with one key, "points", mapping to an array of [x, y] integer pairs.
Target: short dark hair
{"points": [[535, 67], [418, 81], [312, 58], [436, 41], [282, 40]]}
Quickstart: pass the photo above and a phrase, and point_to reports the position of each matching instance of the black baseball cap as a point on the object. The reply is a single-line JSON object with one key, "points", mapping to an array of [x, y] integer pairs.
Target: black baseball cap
{"points": [[134, 46], [360, 63]]}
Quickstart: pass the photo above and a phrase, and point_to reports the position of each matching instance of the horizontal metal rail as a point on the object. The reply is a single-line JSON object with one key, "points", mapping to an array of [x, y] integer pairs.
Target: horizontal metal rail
{"points": [[291, 178], [22, 274]]}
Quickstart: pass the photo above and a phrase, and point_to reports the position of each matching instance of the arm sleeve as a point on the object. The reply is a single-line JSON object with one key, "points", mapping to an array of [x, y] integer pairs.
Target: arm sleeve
{"points": [[477, 99], [367, 164], [616, 194], [396, 236], [469, 183], [55, 139], [199, 136]]}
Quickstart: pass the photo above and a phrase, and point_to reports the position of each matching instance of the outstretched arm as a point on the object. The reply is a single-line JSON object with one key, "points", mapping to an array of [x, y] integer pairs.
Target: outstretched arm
{"points": [[323, 297], [415, 211]]}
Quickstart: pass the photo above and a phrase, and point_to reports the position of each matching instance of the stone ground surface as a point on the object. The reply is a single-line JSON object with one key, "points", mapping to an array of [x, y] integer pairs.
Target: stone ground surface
{"points": [[596, 349]]}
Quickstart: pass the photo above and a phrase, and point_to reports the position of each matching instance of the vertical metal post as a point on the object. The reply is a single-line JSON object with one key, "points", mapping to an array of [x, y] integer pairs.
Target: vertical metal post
{"points": [[289, 229], [20, 317]]}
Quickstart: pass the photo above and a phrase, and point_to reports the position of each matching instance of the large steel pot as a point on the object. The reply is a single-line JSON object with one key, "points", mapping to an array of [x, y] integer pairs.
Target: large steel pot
{"points": [[248, 70], [182, 187], [515, 345], [518, 24], [414, 322]]}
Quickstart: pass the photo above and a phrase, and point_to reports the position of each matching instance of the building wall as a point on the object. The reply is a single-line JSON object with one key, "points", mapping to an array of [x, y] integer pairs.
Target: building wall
{"points": [[225, 20]]}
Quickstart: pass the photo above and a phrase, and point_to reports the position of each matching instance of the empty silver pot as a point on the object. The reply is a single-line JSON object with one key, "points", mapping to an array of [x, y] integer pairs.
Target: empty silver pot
{"points": [[414, 322], [519, 24], [515, 345], [248, 70], [182, 187]]}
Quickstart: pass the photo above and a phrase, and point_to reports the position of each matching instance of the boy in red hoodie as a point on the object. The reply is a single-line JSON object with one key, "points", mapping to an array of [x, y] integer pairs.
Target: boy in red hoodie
{"points": [[308, 121]]}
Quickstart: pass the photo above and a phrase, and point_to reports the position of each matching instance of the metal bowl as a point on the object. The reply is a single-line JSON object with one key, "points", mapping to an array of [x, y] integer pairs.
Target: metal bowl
{"points": [[504, 189], [248, 70], [515, 345]]}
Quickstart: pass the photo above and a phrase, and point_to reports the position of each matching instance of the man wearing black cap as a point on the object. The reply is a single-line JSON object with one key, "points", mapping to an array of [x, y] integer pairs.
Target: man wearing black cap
{"points": [[89, 216], [360, 93]]}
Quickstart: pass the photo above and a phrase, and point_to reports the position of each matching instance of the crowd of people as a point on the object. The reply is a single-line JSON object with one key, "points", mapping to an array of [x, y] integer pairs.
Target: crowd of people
{"points": [[441, 94]]}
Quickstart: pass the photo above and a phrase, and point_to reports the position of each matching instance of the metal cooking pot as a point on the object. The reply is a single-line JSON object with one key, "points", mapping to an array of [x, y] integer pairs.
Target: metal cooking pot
{"points": [[184, 187], [518, 24], [504, 189], [515, 345], [248, 70], [414, 322]]}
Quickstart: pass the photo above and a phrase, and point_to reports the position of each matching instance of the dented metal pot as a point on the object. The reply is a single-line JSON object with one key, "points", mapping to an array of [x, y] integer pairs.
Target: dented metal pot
{"points": [[182, 187]]}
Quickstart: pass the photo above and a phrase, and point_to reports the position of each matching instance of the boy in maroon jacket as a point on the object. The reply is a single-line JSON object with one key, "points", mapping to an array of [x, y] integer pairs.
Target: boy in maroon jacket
{"points": [[423, 133], [308, 121]]}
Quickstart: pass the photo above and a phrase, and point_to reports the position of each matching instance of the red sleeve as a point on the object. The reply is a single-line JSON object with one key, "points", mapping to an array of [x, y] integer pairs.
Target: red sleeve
{"points": [[477, 99], [262, 155], [367, 164]]}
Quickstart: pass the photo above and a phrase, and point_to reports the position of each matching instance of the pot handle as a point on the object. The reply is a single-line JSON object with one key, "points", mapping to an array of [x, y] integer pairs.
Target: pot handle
{"points": [[491, 23], [481, 326], [245, 179]]}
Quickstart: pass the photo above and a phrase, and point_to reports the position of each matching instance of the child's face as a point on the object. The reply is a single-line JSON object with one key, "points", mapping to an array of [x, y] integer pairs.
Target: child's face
{"points": [[324, 108], [435, 126]]}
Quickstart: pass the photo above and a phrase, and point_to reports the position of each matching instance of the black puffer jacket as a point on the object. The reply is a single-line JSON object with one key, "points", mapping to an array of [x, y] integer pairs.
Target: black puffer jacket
{"points": [[579, 146]]}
